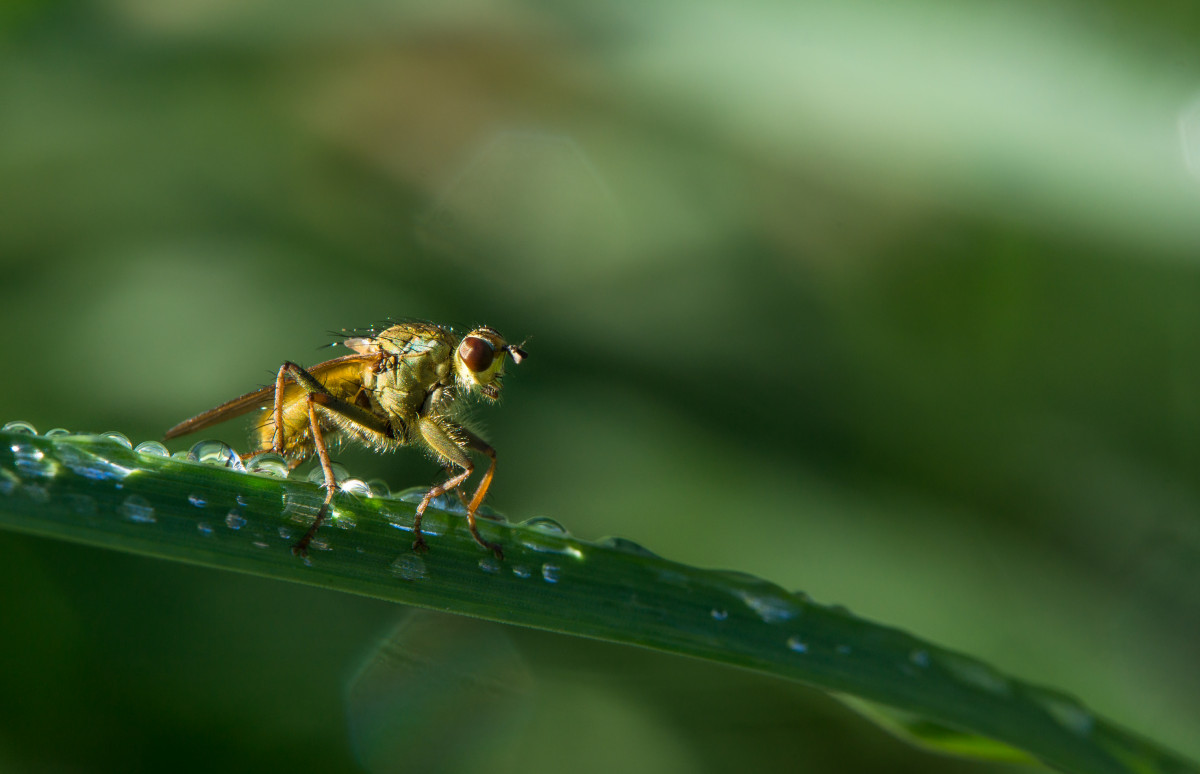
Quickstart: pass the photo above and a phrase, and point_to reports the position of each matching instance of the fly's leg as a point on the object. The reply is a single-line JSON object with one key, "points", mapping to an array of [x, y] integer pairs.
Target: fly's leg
{"points": [[438, 489], [476, 443], [455, 452], [301, 546], [319, 399]]}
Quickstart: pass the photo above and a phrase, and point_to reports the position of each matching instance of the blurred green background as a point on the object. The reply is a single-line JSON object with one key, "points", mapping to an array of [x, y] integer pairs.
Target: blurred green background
{"points": [[892, 303]]}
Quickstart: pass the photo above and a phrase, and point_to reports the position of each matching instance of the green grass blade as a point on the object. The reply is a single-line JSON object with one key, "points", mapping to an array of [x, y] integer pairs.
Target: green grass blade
{"points": [[97, 491]]}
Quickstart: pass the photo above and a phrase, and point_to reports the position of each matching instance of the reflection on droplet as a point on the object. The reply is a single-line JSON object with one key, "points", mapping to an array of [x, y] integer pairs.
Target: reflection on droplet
{"points": [[547, 525], [317, 474], [82, 505], [521, 571], [197, 500], [285, 533], [120, 438], [217, 453], [548, 541], [797, 645], [235, 520], [89, 465], [379, 488], [975, 673], [17, 426], [771, 608], [268, 464], [8, 482], [31, 462], [435, 523], [204, 528], [1067, 712], [550, 573], [57, 432], [300, 505], [409, 567], [719, 615], [137, 509], [356, 487], [241, 500], [843, 650], [626, 546], [489, 564], [152, 449]]}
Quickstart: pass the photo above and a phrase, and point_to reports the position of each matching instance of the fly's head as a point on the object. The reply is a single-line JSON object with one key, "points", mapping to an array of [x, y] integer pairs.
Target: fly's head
{"points": [[479, 361]]}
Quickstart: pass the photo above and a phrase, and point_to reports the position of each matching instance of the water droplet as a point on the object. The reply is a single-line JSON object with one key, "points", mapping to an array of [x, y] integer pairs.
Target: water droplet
{"points": [[1066, 712], [217, 453], [356, 487], [137, 509], [719, 615], [8, 482], [57, 432], [626, 547], [317, 474], [920, 658], [268, 464], [17, 426], [152, 449], [120, 438], [379, 488], [241, 500], [343, 520], [37, 493], [82, 505], [204, 528], [547, 536], [489, 564], [197, 500], [976, 673], [300, 505], [235, 520], [435, 523], [521, 571], [674, 578], [843, 650], [771, 608], [285, 533], [409, 567], [320, 544], [547, 525], [260, 544], [797, 645], [550, 573], [90, 466], [32, 462]]}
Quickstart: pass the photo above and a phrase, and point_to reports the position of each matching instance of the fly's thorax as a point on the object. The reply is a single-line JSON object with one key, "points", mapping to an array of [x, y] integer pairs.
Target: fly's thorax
{"points": [[400, 404]]}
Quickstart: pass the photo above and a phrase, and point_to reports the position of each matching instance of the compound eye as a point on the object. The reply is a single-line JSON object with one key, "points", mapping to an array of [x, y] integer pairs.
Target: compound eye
{"points": [[477, 353]]}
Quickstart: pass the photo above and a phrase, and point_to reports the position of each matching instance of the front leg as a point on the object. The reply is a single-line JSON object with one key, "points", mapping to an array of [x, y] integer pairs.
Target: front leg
{"points": [[455, 452]]}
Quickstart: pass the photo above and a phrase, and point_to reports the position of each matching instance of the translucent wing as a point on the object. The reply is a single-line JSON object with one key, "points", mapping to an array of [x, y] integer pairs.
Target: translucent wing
{"points": [[261, 397]]}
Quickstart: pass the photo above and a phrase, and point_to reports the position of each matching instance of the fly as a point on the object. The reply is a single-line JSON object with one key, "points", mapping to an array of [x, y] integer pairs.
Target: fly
{"points": [[401, 387]]}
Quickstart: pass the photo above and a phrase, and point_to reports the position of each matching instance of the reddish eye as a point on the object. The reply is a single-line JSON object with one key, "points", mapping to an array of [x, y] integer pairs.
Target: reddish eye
{"points": [[476, 353]]}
